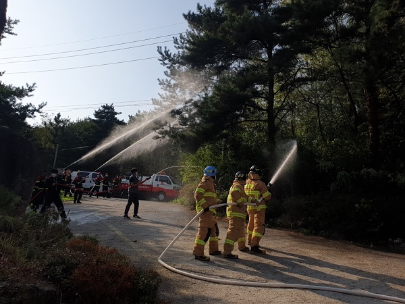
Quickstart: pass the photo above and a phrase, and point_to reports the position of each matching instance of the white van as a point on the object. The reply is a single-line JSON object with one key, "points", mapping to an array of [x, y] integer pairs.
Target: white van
{"points": [[89, 178]]}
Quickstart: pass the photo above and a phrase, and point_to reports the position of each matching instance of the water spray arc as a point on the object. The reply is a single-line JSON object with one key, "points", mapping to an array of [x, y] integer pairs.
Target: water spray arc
{"points": [[268, 285], [146, 137], [286, 160], [125, 134], [125, 150]]}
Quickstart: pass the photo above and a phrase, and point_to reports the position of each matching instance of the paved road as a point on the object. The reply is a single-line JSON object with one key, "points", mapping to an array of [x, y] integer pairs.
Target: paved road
{"points": [[291, 259]]}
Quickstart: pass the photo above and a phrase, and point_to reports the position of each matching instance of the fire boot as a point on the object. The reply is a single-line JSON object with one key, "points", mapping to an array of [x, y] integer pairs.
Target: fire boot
{"points": [[256, 249], [217, 252], [202, 258], [230, 256]]}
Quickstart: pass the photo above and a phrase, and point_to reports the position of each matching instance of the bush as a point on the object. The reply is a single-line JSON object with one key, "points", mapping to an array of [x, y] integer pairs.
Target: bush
{"points": [[88, 273], [40, 246], [186, 196], [9, 224], [45, 230], [8, 201], [365, 207]]}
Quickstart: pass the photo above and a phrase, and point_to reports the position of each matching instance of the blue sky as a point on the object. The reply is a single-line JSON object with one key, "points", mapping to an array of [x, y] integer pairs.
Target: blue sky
{"points": [[61, 28]]}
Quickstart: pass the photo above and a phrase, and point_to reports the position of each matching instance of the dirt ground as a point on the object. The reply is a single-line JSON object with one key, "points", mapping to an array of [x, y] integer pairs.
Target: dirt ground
{"points": [[291, 258]]}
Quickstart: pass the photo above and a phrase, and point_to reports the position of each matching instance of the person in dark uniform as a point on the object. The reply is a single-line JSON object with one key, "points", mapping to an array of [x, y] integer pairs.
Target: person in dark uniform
{"points": [[134, 182], [68, 182], [78, 184], [38, 194], [116, 186], [106, 184], [96, 187], [53, 184]]}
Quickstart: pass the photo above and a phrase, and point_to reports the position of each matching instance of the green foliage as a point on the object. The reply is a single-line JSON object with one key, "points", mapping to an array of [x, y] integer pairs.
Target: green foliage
{"points": [[9, 246], [186, 196], [13, 113], [106, 118], [194, 164], [89, 273], [8, 201], [9, 224], [89, 238], [362, 206]]}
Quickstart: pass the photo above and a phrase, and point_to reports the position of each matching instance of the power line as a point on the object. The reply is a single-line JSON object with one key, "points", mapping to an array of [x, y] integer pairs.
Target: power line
{"points": [[105, 37], [87, 54], [102, 103], [87, 108], [82, 67], [87, 49]]}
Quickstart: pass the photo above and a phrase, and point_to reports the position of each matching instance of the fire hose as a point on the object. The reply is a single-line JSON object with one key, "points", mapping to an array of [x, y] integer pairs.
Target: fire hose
{"points": [[266, 285]]}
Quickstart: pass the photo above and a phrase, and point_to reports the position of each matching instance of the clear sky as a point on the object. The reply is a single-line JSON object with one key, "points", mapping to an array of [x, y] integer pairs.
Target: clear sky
{"points": [[73, 29]]}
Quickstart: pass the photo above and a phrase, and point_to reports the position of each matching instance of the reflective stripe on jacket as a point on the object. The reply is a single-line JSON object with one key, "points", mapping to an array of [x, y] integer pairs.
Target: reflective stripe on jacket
{"points": [[256, 189], [237, 195], [205, 194]]}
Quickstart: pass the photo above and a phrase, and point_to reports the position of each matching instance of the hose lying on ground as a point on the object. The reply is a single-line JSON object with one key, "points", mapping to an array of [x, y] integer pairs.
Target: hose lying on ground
{"points": [[266, 285]]}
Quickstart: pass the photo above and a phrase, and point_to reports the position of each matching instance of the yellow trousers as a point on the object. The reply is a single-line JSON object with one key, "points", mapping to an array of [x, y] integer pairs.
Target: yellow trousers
{"points": [[259, 227], [251, 224], [235, 233], [206, 231]]}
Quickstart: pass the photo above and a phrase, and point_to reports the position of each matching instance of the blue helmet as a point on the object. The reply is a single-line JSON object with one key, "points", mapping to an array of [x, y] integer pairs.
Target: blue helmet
{"points": [[210, 171]]}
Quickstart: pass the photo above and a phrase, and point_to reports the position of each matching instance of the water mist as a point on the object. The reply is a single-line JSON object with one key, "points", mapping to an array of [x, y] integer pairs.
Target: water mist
{"points": [[289, 157]]}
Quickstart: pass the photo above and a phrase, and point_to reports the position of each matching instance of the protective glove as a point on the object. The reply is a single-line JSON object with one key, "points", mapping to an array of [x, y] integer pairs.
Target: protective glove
{"points": [[207, 209], [257, 202]]}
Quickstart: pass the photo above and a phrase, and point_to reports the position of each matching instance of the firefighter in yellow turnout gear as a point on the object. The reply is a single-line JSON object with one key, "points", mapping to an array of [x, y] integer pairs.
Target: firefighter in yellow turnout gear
{"points": [[236, 216], [205, 196], [256, 189]]}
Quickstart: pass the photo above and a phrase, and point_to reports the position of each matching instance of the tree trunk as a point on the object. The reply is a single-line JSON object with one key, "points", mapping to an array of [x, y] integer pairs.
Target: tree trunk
{"points": [[370, 93], [371, 101], [271, 126], [3, 16]]}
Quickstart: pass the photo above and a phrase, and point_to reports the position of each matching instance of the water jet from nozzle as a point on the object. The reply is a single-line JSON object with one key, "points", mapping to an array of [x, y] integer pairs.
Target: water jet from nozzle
{"points": [[287, 159], [125, 133]]}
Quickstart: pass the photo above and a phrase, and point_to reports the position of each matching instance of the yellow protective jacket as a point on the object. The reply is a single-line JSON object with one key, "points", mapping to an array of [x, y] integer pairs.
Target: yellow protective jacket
{"points": [[205, 194], [237, 195], [256, 189]]}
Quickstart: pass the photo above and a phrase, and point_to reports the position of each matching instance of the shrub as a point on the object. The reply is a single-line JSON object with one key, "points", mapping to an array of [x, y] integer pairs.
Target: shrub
{"points": [[88, 273], [45, 230], [186, 196], [8, 201], [89, 238], [10, 224]]}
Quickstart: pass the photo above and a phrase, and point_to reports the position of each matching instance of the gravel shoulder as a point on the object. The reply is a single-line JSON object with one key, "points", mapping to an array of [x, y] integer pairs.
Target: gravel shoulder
{"points": [[291, 258]]}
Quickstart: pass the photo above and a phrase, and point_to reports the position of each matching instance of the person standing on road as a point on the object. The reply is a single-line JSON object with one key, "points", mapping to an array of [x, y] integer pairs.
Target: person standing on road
{"points": [[133, 194], [96, 187], [38, 193], [53, 184], [78, 185], [68, 182], [257, 214], [116, 186], [236, 214], [106, 184], [205, 196]]}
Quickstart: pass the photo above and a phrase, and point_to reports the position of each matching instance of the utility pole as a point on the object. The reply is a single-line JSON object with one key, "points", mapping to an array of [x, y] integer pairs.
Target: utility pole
{"points": [[56, 155]]}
